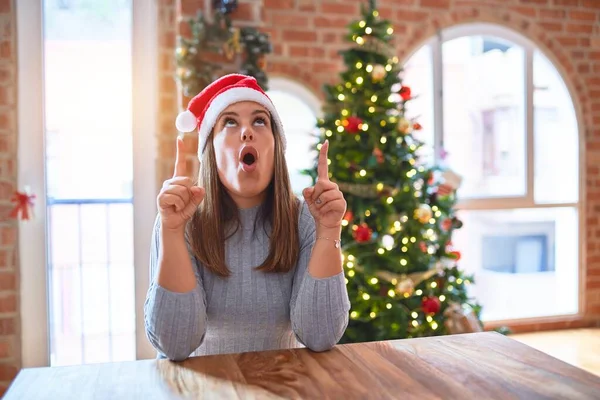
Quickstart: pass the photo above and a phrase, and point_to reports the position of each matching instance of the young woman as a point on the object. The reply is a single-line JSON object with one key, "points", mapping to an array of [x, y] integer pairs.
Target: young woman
{"points": [[238, 263]]}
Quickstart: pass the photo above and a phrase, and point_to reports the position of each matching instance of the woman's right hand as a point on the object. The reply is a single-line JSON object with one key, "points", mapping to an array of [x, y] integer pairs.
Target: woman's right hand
{"points": [[179, 197]]}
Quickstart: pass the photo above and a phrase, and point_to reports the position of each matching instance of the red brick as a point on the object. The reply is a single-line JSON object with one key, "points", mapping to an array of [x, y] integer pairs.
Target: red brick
{"points": [[7, 281], [570, 3], [7, 189], [298, 21], [6, 144], [551, 26], [190, 7], [435, 3], [306, 5], [8, 303], [299, 36], [245, 12], [580, 28], [8, 235], [278, 4], [340, 8], [552, 14], [537, 2], [7, 326], [567, 40], [413, 16], [591, 4], [5, 349], [298, 51], [592, 81], [167, 39], [184, 29], [331, 22], [325, 67], [8, 372], [583, 15], [5, 6], [526, 11]]}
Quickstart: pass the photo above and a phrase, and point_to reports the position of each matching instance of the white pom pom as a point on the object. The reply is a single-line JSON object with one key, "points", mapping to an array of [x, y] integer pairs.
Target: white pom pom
{"points": [[186, 121]]}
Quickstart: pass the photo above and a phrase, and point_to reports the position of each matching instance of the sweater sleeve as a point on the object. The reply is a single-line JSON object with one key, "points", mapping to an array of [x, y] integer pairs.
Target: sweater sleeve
{"points": [[175, 323], [319, 306]]}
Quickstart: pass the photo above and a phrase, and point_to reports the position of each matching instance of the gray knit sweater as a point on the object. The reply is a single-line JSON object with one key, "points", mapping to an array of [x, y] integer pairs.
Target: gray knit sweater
{"points": [[250, 310]]}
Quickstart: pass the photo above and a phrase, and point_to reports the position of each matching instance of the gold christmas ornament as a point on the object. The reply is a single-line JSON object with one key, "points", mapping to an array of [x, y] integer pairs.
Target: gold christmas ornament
{"points": [[404, 126], [405, 287], [423, 214], [378, 73]]}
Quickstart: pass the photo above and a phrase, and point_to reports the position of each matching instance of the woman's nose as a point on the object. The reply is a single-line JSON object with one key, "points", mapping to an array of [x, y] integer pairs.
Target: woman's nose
{"points": [[247, 135]]}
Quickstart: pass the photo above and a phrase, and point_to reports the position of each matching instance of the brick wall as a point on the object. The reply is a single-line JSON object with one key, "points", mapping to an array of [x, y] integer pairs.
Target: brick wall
{"points": [[307, 34], [10, 352]]}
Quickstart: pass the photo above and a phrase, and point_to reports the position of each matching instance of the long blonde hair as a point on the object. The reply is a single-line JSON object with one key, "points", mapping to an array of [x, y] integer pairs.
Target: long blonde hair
{"points": [[280, 210]]}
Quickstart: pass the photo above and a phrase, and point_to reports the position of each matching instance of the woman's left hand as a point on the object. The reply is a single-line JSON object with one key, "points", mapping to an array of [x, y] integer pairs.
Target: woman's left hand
{"points": [[325, 200]]}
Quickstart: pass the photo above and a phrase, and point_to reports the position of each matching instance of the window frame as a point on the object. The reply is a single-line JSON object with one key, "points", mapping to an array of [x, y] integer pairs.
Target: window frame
{"points": [[33, 271], [526, 201]]}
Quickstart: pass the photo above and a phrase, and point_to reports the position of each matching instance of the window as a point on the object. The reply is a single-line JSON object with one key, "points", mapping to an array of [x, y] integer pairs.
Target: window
{"points": [[504, 120], [88, 117], [298, 109]]}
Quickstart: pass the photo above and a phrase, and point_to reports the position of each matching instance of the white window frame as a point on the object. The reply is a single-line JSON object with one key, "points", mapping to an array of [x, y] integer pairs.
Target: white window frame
{"points": [[527, 201], [35, 348], [288, 85]]}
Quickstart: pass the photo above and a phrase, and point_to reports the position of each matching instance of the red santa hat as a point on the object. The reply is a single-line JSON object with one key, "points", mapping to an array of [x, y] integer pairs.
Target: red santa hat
{"points": [[204, 109]]}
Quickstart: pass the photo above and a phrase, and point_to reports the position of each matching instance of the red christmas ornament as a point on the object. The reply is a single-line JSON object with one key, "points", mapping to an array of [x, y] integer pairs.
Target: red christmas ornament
{"points": [[446, 224], [24, 205], [417, 126], [362, 233], [430, 305], [404, 93], [423, 247], [352, 124], [348, 216], [378, 155], [454, 255]]}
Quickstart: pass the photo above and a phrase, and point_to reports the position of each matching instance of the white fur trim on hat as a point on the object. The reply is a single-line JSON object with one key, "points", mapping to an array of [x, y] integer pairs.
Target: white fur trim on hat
{"points": [[186, 121], [227, 98]]}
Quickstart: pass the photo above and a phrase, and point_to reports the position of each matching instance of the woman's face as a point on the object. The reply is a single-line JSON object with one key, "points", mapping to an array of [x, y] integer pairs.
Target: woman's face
{"points": [[245, 152]]}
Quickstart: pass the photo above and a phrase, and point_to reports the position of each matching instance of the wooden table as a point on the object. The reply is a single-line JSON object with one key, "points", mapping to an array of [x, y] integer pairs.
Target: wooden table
{"points": [[472, 366]]}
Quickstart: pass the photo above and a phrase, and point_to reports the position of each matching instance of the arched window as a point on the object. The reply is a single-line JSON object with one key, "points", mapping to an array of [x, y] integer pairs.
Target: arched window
{"points": [[298, 109], [503, 118]]}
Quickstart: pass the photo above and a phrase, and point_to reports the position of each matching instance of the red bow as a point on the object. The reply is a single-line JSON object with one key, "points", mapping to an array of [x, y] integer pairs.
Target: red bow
{"points": [[24, 203]]}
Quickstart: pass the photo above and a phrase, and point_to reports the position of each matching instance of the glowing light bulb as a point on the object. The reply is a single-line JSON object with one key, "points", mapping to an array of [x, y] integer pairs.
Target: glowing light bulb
{"points": [[442, 298], [341, 97], [433, 285], [391, 293], [353, 314], [383, 140], [368, 31], [419, 292], [374, 281], [362, 172], [359, 80], [372, 315], [403, 262], [380, 250], [366, 296], [388, 306]]}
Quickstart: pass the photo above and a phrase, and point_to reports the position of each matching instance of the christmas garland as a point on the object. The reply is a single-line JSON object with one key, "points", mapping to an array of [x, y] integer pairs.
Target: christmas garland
{"points": [[194, 56]]}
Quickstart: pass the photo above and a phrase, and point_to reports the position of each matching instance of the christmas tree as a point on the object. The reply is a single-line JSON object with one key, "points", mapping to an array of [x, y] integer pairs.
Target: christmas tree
{"points": [[402, 272]]}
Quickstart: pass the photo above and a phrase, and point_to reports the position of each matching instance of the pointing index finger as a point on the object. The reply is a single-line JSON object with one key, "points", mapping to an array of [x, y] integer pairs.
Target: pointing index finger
{"points": [[180, 169], [322, 167]]}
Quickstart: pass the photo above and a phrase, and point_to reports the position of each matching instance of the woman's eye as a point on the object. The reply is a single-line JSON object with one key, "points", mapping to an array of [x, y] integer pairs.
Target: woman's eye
{"points": [[229, 122], [260, 121]]}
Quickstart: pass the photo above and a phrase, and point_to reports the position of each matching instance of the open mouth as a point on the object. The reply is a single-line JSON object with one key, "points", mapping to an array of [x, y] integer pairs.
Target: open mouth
{"points": [[248, 158]]}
